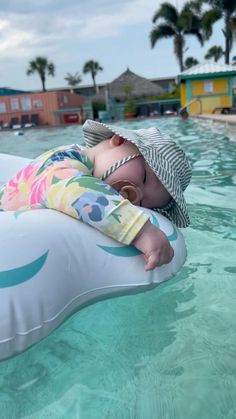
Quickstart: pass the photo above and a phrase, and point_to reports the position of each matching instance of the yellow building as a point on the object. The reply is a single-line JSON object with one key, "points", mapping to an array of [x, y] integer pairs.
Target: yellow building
{"points": [[207, 88]]}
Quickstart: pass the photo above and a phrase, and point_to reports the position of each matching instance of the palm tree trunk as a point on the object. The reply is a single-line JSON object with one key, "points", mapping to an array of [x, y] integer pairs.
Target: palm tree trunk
{"points": [[181, 61], [178, 49], [43, 82], [94, 83], [227, 35]]}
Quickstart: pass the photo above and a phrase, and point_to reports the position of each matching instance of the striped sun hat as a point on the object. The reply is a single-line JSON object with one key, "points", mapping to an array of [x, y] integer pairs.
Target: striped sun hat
{"points": [[165, 158]]}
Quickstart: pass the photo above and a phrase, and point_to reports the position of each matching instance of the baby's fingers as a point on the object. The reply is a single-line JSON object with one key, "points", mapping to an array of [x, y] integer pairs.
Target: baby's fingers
{"points": [[156, 259], [151, 262]]}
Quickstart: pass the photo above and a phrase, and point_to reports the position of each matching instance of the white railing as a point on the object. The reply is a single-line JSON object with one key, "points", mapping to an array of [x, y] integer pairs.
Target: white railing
{"points": [[189, 103]]}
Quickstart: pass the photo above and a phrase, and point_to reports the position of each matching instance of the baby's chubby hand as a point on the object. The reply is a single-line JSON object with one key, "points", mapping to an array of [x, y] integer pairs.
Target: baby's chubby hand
{"points": [[154, 245]]}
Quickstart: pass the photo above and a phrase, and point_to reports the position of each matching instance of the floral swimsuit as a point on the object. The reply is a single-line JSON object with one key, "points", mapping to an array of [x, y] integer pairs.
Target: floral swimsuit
{"points": [[62, 179]]}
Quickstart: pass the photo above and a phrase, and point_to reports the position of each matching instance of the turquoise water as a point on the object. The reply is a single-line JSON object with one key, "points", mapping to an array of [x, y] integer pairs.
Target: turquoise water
{"points": [[165, 354]]}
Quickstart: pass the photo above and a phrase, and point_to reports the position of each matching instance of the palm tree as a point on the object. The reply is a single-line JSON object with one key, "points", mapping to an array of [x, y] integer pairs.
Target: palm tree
{"points": [[225, 9], [73, 80], [42, 66], [190, 62], [215, 52], [92, 67], [176, 25]]}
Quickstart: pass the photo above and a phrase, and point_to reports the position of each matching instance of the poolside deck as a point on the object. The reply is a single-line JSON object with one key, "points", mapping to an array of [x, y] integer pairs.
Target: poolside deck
{"points": [[230, 119]]}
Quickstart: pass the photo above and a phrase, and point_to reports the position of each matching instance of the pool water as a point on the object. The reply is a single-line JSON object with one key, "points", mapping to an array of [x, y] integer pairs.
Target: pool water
{"points": [[169, 353]]}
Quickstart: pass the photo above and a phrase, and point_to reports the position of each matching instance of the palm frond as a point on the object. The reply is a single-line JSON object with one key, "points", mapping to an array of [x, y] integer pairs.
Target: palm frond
{"points": [[190, 62], [208, 19], [91, 66], [41, 65], [215, 52], [223, 5], [194, 6], [167, 12], [51, 69], [160, 32], [73, 79], [188, 20], [198, 35]]}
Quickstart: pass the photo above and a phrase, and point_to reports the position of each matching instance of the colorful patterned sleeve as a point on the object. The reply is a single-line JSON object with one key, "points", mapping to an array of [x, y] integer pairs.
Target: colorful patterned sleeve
{"points": [[62, 179]]}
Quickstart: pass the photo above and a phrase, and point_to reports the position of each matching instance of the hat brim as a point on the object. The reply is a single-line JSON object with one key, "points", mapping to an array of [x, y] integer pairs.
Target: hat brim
{"points": [[95, 132], [178, 212]]}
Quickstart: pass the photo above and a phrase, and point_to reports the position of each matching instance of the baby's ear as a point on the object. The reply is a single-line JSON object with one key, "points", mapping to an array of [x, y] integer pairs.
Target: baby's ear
{"points": [[116, 140]]}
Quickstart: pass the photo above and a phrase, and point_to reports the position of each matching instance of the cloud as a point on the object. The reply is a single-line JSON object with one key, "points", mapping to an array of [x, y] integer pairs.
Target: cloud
{"points": [[30, 25], [70, 32], [111, 24], [38, 27], [32, 6]]}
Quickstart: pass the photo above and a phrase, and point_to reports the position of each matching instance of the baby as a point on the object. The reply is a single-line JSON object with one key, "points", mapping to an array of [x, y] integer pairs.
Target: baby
{"points": [[105, 183]]}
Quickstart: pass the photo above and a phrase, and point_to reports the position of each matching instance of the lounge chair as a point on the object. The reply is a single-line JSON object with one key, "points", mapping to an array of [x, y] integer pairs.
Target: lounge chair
{"points": [[15, 124], [5, 125], [34, 119], [25, 119]]}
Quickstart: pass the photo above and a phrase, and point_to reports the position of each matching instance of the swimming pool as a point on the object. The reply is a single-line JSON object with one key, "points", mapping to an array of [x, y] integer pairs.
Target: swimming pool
{"points": [[166, 353]]}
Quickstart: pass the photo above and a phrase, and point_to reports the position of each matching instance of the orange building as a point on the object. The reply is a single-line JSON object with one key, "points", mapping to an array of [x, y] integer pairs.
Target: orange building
{"points": [[40, 108]]}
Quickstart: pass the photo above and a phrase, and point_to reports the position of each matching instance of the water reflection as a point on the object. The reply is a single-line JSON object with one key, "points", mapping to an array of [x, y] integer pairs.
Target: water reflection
{"points": [[113, 338], [209, 219], [165, 353]]}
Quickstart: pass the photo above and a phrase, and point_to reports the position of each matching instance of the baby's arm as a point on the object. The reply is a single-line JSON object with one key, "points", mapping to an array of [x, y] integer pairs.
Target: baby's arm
{"points": [[154, 245], [116, 217], [66, 185]]}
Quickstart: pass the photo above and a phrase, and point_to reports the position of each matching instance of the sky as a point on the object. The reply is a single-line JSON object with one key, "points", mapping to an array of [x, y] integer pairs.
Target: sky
{"points": [[71, 32]]}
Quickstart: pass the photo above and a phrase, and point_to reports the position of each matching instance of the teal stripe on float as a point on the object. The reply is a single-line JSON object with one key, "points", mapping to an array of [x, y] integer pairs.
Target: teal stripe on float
{"points": [[173, 236], [122, 251], [22, 274], [129, 250]]}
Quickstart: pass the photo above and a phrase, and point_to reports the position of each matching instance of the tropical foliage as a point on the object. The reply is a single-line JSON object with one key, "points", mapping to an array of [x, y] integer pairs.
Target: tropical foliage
{"points": [[177, 25], [215, 52], [130, 107], [92, 67], [190, 62], [43, 67], [73, 80], [225, 9], [174, 94]]}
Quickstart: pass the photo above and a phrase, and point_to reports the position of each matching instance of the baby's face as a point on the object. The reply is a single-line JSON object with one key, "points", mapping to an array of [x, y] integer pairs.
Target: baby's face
{"points": [[135, 180]]}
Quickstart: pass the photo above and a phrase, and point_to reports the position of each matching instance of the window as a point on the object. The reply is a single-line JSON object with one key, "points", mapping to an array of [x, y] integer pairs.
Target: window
{"points": [[65, 99], [37, 103], [2, 107], [15, 104], [208, 86], [26, 103]]}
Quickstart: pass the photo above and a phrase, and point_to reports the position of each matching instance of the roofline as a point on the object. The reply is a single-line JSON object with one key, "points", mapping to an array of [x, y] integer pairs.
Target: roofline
{"points": [[204, 75], [82, 86], [163, 78]]}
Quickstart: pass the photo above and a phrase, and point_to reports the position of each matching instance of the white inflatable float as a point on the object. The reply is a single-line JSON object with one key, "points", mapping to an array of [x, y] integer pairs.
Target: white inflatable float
{"points": [[52, 264]]}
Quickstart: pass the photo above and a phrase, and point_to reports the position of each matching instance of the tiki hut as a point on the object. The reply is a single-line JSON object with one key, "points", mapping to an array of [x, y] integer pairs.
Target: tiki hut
{"points": [[128, 85]]}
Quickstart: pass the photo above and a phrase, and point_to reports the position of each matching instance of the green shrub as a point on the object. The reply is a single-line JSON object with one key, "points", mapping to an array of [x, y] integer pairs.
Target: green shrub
{"points": [[99, 106], [130, 106]]}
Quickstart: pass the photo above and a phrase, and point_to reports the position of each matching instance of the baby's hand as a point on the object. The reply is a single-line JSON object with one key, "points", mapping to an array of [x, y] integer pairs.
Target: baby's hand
{"points": [[154, 245]]}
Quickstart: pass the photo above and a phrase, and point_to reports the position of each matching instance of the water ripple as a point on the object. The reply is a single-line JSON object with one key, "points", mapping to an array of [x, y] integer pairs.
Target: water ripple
{"points": [[167, 353]]}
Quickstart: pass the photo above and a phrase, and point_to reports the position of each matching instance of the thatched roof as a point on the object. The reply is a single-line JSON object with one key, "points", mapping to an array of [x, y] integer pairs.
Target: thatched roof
{"points": [[129, 84]]}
